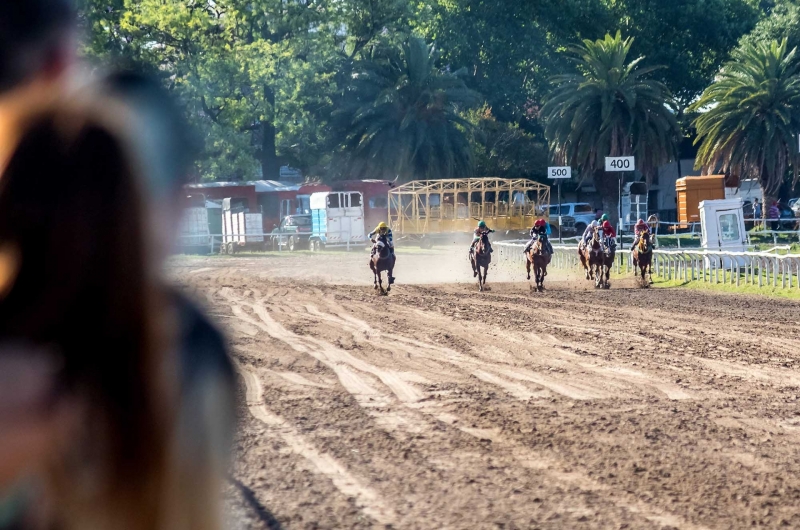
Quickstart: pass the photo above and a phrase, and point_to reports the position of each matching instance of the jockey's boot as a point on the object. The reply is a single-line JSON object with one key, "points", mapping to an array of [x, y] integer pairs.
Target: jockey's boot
{"points": [[391, 280]]}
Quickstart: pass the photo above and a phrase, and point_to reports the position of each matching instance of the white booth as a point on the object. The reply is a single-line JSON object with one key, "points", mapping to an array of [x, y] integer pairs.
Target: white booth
{"points": [[722, 225]]}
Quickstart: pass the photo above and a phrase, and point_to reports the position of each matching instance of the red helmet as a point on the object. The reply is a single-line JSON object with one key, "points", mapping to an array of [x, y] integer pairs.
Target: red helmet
{"points": [[641, 223], [540, 222], [606, 224]]}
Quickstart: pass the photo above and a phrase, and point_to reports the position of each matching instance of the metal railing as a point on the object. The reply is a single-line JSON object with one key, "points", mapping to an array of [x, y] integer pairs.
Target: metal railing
{"points": [[215, 241], [761, 269]]}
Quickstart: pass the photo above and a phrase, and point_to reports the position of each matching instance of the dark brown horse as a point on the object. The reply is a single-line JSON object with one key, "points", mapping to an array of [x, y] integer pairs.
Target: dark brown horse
{"points": [[643, 258], [382, 260], [605, 268], [480, 258], [539, 257], [592, 257]]}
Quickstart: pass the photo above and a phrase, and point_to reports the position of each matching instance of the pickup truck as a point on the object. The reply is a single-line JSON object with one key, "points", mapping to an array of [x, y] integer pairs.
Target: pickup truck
{"points": [[292, 234]]}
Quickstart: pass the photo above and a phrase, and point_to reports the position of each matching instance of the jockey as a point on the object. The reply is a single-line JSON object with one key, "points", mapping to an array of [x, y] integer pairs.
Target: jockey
{"points": [[587, 234], [479, 232], [610, 235], [640, 229], [603, 218], [541, 228], [382, 230]]}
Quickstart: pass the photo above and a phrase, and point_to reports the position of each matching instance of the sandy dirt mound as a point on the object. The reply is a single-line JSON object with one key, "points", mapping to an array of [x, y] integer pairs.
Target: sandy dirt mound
{"points": [[441, 407]]}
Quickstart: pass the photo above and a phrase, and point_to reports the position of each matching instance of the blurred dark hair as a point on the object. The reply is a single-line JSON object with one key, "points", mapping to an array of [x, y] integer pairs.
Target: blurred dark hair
{"points": [[30, 31], [72, 208]]}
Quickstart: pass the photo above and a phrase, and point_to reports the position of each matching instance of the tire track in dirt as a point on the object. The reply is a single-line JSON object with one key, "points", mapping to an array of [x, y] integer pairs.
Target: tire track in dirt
{"points": [[524, 455], [365, 498]]}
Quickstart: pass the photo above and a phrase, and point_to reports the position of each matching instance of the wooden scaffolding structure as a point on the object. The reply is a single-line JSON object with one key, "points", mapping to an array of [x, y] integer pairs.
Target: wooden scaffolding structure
{"points": [[455, 205]]}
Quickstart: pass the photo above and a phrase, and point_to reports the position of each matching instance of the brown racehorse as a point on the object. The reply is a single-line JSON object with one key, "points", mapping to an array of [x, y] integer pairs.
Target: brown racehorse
{"points": [[382, 260], [643, 258], [592, 257], [539, 257], [605, 268], [480, 258]]}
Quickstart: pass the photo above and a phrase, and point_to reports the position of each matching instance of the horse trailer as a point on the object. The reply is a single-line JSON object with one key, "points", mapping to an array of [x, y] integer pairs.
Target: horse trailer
{"points": [[241, 230], [337, 219]]}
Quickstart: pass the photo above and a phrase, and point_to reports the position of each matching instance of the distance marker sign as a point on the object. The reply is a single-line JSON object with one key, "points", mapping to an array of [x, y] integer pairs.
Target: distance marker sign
{"points": [[561, 172], [620, 163]]}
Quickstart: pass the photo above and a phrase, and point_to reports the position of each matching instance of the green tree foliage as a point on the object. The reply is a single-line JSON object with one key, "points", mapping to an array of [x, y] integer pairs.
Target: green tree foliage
{"points": [[752, 115], [609, 108], [690, 38], [504, 149], [783, 22], [400, 116], [508, 48]]}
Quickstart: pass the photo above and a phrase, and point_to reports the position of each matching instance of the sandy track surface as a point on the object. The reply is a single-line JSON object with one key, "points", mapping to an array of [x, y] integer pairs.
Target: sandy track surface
{"points": [[442, 407]]}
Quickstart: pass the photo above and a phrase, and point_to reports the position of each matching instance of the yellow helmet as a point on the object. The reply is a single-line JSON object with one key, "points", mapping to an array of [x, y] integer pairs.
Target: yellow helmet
{"points": [[382, 226]]}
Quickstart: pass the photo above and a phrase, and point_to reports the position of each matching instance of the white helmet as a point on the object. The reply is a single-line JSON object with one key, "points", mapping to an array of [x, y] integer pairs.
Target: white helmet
{"points": [[595, 223]]}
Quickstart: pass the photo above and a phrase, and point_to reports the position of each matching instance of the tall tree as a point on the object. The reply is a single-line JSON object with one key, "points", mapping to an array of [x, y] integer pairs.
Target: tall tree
{"points": [[508, 47], [751, 116], [609, 108], [691, 38], [400, 116]]}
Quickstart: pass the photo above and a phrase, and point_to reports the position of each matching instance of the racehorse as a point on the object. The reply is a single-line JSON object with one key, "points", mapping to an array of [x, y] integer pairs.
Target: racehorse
{"points": [[605, 268], [382, 260], [480, 257], [643, 258], [539, 257], [592, 257]]}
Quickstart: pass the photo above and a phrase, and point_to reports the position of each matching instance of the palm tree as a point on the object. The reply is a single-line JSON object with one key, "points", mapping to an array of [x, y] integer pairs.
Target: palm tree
{"points": [[751, 116], [400, 116], [609, 108]]}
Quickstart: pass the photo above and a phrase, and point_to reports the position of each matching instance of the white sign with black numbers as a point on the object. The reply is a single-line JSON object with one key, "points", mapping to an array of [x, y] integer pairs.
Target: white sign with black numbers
{"points": [[559, 172], [620, 163]]}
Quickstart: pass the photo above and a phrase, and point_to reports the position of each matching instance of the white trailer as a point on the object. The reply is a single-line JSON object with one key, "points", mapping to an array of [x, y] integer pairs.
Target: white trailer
{"points": [[722, 226], [240, 229], [337, 219], [194, 236]]}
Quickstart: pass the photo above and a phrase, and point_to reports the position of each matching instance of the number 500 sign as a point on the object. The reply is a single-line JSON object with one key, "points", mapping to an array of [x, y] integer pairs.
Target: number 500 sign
{"points": [[620, 163]]}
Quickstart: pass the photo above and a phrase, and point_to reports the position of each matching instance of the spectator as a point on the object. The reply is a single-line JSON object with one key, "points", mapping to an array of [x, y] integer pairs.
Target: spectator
{"points": [[36, 53], [90, 408], [774, 215], [757, 212]]}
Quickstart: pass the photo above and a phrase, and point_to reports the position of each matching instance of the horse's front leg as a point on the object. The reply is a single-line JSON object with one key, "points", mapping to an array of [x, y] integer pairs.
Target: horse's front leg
{"points": [[389, 287], [528, 266]]}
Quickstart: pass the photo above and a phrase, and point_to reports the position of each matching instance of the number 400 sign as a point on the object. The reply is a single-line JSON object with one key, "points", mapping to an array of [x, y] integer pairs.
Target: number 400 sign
{"points": [[620, 163]]}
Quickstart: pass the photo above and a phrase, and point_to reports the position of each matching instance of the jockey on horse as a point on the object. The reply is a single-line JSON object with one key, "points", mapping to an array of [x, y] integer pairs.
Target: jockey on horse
{"points": [[587, 234], [640, 230], [480, 232], [383, 230], [541, 229], [609, 236]]}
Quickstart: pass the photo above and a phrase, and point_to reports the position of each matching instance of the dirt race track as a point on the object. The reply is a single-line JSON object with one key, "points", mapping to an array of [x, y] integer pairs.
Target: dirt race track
{"points": [[442, 407]]}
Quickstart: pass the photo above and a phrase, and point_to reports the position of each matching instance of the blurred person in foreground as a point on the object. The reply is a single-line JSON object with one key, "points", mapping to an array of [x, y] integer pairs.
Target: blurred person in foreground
{"points": [[115, 393], [37, 54], [131, 412]]}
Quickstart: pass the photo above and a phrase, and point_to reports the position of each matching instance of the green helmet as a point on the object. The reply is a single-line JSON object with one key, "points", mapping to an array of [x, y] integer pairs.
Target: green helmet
{"points": [[603, 217], [481, 224]]}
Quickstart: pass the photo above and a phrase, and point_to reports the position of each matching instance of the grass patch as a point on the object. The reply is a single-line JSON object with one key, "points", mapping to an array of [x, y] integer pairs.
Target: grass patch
{"points": [[773, 292]]}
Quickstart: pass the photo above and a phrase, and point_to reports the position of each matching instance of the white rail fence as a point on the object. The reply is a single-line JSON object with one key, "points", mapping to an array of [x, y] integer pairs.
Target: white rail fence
{"points": [[760, 269]]}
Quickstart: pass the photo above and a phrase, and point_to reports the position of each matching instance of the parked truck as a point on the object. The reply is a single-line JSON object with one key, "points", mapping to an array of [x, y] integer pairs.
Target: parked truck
{"points": [[337, 219], [241, 230]]}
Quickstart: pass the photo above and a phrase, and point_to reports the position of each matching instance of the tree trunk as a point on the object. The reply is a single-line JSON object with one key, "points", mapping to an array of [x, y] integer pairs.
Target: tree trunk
{"points": [[607, 185], [270, 167], [766, 203]]}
